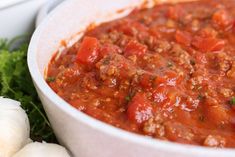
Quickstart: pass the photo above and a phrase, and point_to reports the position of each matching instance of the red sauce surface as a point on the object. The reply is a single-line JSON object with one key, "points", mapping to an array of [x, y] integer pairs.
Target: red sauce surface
{"points": [[167, 72]]}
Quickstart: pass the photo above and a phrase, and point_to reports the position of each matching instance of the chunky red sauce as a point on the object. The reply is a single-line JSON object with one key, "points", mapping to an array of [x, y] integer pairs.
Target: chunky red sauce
{"points": [[167, 72]]}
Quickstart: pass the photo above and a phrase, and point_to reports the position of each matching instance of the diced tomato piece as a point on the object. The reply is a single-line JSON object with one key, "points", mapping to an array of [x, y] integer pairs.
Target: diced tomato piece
{"points": [[208, 44], [222, 18], [139, 108], [146, 80], [174, 13], [131, 28], [135, 48], [183, 37], [160, 81], [88, 51], [154, 32], [216, 112], [233, 25]]}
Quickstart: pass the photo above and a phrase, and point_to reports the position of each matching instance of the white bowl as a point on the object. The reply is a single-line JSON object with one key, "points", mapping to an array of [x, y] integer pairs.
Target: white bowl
{"points": [[81, 134], [46, 9]]}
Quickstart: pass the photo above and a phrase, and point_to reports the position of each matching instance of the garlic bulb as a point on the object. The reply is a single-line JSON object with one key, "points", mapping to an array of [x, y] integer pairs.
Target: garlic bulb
{"points": [[14, 127], [37, 149]]}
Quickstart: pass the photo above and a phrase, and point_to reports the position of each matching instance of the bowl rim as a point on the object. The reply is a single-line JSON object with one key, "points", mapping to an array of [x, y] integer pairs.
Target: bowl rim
{"points": [[46, 9], [40, 82]]}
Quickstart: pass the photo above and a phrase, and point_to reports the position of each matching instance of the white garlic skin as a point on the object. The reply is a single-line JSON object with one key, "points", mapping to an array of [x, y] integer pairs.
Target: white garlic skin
{"points": [[14, 127], [37, 149]]}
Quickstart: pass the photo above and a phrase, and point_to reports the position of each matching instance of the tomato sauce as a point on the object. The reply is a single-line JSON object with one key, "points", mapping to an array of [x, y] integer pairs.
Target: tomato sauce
{"points": [[167, 72]]}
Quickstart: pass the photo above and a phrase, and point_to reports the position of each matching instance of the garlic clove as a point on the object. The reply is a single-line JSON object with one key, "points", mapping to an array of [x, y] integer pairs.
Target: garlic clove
{"points": [[14, 127], [37, 149]]}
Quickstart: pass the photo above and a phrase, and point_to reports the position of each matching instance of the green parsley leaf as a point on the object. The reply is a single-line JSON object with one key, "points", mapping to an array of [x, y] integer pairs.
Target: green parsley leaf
{"points": [[50, 79], [169, 64], [16, 83], [232, 101], [192, 62], [201, 118], [127, 98], [200, 97]]}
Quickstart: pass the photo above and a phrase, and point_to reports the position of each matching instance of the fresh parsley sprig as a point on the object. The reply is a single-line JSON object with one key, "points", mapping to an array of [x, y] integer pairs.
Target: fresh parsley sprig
{"points": [[16, 83]]}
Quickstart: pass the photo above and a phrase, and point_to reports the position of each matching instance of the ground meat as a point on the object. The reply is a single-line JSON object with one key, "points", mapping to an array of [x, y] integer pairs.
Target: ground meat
{"points": [[226, 92], [115, 65], [231, 72], [155, 126], [182, 57], [214, 141], [162, 46], [223, 62]]}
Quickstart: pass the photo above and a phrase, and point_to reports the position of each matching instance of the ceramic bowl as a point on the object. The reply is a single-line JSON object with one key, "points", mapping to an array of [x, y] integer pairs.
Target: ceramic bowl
{"points": [[46, 9], [83, 135]]}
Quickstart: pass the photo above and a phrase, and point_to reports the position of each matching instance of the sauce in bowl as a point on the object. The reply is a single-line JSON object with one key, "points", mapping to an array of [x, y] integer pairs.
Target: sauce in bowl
{"points": [[167, 72]]}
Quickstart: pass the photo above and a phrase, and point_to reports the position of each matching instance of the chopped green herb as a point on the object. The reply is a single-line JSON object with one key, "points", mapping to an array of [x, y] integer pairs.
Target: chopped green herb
{"points": [[152, 78], [16, 83], [169, 64], [127, 98], [106, 60], [201, 118], [232, 101], [50, 79], [199, 87], [192, 62], [200, 97]]}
